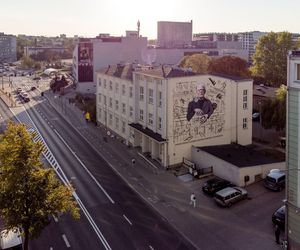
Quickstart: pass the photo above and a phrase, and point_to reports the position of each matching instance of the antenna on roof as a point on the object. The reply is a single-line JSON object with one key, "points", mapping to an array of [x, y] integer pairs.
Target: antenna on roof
{"points": [[138, 28]]}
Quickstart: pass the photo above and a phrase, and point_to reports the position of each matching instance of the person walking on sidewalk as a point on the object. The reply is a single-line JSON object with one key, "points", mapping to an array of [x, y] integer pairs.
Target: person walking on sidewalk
{"points": [[277, 234], [193, 200], [133, 161]]}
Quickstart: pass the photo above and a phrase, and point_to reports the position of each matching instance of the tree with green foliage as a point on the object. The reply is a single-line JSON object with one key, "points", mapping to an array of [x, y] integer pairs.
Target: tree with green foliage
{"points": [[273, 111], [229, 65], [29, 193], [198, 62], [270, 58]]}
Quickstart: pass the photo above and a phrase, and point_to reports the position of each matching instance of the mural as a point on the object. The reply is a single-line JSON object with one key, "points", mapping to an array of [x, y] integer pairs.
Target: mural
{"points": [[198, 110], [85, 62]]}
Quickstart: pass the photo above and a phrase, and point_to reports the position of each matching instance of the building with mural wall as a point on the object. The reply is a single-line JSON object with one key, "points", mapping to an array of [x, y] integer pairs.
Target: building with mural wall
{"points": [[293, 155], [162, 110]]}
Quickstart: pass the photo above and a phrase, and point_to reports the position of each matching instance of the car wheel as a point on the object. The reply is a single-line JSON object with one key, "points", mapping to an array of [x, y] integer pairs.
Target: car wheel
{"points": [[229, 204], [245, 196]]}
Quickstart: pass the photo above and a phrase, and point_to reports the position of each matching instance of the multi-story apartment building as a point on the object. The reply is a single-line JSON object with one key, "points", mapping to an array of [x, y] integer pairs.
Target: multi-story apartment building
{"points": [[174, 34], [249, 41], [154, 108], [8, 48], [293, 155]]}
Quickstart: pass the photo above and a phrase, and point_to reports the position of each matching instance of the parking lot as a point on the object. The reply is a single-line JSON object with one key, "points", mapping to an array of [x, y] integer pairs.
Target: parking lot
{"points": [[245, 221]]}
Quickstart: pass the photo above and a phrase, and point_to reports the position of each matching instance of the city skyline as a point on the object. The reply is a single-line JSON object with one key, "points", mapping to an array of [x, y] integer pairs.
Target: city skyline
{"points": [[91, 17]]}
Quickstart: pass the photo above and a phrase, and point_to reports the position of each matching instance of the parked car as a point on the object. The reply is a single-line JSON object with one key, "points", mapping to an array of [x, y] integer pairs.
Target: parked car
{"points": [[37, 78], [230, 195], [214, 185], [275, 180], [278, 217], [11, 239], [19, 90], [33, 88], [24, 96], [255, 116]]}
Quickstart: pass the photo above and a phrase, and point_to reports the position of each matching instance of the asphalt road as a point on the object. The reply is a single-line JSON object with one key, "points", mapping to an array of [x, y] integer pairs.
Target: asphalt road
{"points": [[124, 219]]}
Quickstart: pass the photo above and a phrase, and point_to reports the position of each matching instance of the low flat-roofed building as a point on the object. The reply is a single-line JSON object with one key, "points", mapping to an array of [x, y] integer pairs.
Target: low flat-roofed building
{"points": [[241, 165]]}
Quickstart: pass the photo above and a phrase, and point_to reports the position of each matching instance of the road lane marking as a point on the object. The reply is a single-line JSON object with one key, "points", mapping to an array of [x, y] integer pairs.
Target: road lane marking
{"points": [[151, 247], [98, 184], [127, 219], [55, 218], [66, 241]]}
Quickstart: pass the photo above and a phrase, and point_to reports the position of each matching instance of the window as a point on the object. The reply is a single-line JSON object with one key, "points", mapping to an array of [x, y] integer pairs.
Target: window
{"points": [[104, 100], [110, 119], [150, 96], [159, 122], [104, 83], [116, 122], [141, 114], [150, 119], [245, 123], [99, 98], [123, 89], [141, 93], [99, 113], [110, 85], [130, 91], [117, 87], [110, 102], [123, 127], [117, 105], [298, 72], [130, 111], [99, 82], [159, 99], [124, 108], [245, 99]]}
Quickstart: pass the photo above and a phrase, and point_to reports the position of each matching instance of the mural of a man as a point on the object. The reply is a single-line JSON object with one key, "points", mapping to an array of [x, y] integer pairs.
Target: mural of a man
{"points": [[200, 105]]}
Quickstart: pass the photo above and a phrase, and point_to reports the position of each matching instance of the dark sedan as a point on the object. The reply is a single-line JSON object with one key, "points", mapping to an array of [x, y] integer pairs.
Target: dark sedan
{"points": [[214, 185], [278, 218]]}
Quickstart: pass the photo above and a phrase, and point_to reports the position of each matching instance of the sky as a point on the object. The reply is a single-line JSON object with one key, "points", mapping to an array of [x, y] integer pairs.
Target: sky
{"points": [[88, 18]]}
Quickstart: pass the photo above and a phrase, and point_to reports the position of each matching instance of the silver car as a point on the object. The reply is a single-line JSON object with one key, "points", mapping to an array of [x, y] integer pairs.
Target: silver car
{"points": [[227, 196]]}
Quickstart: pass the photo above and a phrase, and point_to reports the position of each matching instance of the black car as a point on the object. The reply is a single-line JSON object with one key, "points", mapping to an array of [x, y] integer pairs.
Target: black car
{"points": [[278, 218], [214, 185]]}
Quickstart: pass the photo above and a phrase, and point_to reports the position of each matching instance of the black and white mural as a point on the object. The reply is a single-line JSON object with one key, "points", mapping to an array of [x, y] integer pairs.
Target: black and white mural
{"points": [[198, 110]]}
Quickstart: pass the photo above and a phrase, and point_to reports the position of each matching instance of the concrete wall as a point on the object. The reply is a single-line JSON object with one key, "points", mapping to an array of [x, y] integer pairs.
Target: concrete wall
{"points": [[230, 172]]}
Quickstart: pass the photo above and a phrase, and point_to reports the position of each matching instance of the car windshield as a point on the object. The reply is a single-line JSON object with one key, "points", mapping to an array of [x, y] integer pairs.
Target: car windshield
{"points": [[270, 179]]}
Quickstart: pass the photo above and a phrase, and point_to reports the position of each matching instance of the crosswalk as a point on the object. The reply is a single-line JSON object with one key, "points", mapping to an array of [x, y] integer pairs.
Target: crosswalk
{"points": [[24, 118]]}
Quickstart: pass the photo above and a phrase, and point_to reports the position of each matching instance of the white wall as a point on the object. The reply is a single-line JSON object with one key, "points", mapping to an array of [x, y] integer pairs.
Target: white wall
{"points": [[230, 172]]}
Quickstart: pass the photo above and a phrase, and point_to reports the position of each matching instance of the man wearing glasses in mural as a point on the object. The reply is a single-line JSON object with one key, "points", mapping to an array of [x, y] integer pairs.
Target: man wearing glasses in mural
{"points": [[200, 106]]}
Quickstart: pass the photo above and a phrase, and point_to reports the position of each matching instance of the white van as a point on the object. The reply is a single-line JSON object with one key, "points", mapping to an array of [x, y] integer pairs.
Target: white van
{"points": [[11, 239]]}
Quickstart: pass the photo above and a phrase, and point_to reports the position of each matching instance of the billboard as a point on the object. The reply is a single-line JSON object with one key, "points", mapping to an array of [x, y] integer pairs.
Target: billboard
{"points": [[85, 62], [198, 110]]}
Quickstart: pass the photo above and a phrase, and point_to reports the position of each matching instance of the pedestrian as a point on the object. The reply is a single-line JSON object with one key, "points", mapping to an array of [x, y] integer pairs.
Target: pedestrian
{"points": [[277, 234], [133, 161], [193, 200]]}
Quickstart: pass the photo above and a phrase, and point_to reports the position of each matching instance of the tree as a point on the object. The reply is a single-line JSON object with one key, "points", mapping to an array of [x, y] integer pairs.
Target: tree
{"points": [[270, 58], [229, 65], [273, 112], [29, 193], [198, 62]]}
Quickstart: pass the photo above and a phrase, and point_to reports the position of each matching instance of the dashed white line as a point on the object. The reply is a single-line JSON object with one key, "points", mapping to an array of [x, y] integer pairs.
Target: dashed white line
{"points": [[151, 247], [66, 240], [127, 219], [55, 218]]}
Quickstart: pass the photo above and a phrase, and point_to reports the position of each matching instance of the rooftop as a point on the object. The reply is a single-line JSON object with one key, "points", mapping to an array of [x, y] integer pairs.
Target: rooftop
{"points": [[241, 156]]}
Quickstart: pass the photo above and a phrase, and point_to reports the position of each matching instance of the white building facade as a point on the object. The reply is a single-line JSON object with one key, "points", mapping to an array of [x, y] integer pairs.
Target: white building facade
{"points": [[149, 107], [293, 153]]}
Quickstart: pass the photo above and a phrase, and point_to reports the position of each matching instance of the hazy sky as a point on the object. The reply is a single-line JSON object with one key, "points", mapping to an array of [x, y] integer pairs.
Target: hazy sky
{"points": [[91, 17]]}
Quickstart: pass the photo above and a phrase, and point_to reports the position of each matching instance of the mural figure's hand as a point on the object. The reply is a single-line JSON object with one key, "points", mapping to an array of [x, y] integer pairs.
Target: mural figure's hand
{"points": [[198, 112]]}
